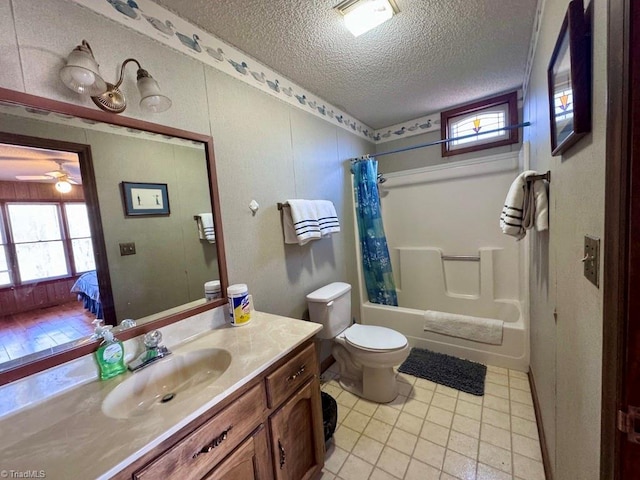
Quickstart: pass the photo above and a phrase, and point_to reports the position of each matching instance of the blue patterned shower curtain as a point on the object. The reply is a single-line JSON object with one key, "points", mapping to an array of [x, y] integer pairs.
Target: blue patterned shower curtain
{"points": [[376, 262]]}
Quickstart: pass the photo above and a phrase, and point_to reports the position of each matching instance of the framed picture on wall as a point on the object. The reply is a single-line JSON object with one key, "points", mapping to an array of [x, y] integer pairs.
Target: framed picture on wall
{"points": [[569, 78], [145, 199]]}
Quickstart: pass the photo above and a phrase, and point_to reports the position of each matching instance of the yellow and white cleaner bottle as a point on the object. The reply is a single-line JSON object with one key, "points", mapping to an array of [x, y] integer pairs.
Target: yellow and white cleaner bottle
{"points": [[239, 308]]}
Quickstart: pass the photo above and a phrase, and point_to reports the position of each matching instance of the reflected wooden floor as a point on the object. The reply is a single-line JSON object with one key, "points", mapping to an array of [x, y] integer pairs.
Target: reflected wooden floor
{"points": [[29, 332]]}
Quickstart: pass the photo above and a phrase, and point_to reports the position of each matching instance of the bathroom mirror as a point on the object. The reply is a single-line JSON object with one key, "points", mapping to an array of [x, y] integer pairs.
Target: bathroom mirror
{"points": [[161, 283]]}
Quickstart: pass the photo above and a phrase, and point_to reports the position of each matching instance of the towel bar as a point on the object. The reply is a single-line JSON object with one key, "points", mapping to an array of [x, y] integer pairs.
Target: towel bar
{"points": [[543, 176], [282, 205], [461, 258]]}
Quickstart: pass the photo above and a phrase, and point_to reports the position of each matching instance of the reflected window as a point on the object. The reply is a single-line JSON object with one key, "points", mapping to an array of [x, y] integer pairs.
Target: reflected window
{"points": [[48, 240]]}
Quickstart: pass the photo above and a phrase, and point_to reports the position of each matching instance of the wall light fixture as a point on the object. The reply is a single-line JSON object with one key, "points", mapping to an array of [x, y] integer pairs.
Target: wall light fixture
{"points": [[360, 16], [82, 75]]}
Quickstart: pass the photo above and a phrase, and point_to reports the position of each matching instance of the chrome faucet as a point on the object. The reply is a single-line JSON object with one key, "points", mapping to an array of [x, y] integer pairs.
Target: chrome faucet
{"points": [[153, 351]]}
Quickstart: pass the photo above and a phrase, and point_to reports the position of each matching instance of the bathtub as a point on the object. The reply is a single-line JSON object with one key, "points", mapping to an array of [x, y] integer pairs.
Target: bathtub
{"points": [[428, 282]]}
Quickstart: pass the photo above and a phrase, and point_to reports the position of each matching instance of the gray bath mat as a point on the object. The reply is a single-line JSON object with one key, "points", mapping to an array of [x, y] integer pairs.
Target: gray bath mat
{"points": [[446, 370]]}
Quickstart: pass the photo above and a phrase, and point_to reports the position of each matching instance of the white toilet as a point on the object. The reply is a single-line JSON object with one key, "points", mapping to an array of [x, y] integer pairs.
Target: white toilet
{"points": [[366, 354]]}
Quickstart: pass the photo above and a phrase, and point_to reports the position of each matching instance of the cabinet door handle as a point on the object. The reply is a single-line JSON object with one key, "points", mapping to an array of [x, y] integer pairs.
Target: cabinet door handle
{"points": [[297, 374], [215, 442], [282, 454]]}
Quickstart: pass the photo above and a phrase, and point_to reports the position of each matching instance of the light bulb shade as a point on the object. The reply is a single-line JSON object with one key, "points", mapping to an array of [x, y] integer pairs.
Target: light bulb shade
{"points": [[81, 73], [151, 98], [367, 14], [63, 186]]}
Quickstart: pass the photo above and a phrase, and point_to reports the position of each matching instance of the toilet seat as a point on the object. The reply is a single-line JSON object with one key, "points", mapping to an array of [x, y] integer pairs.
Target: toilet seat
{"points": [[374, 339]]}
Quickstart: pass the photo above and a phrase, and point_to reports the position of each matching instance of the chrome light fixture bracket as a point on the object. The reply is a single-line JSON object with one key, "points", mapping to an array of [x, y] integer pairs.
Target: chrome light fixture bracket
{"points": [[81, 74]]}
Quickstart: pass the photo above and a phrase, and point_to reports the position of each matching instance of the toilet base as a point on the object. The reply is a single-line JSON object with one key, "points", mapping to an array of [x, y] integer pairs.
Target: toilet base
{"points": [[379, 384]]}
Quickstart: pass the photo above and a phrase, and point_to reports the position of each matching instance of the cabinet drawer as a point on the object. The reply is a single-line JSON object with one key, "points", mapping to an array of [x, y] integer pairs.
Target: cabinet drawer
{"points": [[291, 376], [201, 450]]}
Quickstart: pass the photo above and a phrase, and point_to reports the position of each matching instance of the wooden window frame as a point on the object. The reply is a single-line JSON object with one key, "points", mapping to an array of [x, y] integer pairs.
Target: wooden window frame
{"points": [[511, 99]]}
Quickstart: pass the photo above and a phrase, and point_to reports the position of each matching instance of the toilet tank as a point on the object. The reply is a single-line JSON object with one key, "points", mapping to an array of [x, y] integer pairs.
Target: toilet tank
{"points": [[331, 306]]}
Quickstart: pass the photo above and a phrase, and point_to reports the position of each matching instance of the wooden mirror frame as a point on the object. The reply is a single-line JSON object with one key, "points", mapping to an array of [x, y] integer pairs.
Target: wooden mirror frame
{"points": [[40, 103]]}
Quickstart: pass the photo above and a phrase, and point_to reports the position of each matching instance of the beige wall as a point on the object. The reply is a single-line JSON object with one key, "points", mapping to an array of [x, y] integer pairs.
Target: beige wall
{"points": [[265, 150], [566, 353]]}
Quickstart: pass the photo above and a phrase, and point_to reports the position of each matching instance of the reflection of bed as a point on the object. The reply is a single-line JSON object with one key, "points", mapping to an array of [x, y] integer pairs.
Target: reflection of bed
{"points": [[88, 292]]}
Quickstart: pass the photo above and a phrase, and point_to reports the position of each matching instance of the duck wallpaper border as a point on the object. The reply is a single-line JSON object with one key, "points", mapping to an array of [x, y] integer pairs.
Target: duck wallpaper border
{"points": [[169, 29]]}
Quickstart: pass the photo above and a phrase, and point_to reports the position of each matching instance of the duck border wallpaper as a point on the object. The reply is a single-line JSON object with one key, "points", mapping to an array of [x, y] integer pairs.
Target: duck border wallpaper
{"points": [[164, 26]]}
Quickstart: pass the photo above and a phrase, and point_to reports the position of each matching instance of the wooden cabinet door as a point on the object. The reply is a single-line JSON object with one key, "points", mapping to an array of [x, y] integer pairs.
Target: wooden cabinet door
{"points": [[250, 461], [297, 439]]}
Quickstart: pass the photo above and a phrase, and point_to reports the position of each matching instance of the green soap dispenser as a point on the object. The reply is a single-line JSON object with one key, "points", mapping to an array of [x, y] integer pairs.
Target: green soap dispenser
{"points": [[110, 354]]}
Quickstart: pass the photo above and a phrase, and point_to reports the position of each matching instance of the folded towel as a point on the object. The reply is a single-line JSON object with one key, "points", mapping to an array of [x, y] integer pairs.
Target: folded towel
{"points": [[478, 329], [327, 217], [206, 229], [305, 220], [526, 205]]}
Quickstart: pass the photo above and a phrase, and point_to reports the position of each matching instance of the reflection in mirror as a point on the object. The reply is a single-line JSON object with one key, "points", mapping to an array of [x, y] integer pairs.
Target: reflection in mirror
{"points": [[68, 258]]}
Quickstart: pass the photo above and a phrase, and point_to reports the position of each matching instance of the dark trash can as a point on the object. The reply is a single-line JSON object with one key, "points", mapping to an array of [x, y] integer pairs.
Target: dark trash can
{"points": [[329, 415]]}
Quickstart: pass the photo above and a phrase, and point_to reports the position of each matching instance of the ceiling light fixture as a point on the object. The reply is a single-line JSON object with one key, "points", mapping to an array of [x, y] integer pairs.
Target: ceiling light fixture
{"points": [[63, 185], [360, 16], [82, 75]]}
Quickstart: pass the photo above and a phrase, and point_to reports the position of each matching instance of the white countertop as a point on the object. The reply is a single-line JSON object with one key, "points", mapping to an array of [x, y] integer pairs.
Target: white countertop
{"points": [[69, 437]]}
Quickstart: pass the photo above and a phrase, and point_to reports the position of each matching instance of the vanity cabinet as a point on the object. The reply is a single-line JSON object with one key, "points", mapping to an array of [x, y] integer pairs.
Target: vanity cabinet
{"points": [[269, 429]]}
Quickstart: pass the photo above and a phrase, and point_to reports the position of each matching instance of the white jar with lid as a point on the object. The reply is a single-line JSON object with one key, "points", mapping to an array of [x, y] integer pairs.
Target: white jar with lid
{"points": [[212, 290], [239, 307]]}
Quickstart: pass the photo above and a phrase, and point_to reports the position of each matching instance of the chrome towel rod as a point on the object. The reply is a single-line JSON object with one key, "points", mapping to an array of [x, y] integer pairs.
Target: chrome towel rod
{"points": [[461, 258], [542, 176], [282, 205]]}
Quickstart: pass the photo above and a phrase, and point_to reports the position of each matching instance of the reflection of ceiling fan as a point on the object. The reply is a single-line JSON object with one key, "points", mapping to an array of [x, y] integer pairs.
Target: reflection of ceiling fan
{"points": [[61, 175]]}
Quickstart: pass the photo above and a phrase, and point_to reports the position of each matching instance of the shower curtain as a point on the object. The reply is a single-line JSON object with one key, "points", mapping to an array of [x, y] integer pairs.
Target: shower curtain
{"points": [[376, 262]]}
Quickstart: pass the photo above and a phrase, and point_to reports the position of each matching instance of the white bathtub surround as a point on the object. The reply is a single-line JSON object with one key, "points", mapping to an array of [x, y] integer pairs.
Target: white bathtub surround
{"points": [[478, 329]]}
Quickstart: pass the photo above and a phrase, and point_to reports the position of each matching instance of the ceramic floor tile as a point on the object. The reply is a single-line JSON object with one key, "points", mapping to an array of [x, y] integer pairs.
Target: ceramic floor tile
{"points": [[378, 430], [426, 384], [496, 403], [435, 433], [345, 438], [325, 475], [500, 370], [381, 475], [496, 418], [406, 378], [368, 449], [416, 408], [439, 416], [421, 394], [402, 441], [526, 446], [527, 469], [452, 392], [356, 421], [520, 384], [420, 471], [497, 378], [518, 374], [466, 425], [521, 396], [461, 443], [397, 402], [331, 390], [393, 462], [446, 476], [429, 453], [347, 399], [365, 406], [495, 457], [386, 414], [343, 412], [524, 427], [523, 411], [334, 458], [355, 469], [496, 390], [495, 436], [485, 472], [444, 401], [467, 397], [459, 466], [404, 388], [409, 423], [470, 410]]}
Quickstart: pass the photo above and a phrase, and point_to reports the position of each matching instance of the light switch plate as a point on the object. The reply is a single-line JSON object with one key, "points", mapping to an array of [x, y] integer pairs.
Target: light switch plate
{"points": [[127, 248], [591, 259]]}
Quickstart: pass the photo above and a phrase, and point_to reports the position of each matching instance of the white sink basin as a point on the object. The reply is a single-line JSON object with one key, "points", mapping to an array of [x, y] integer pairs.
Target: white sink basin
{"points": [[166, 381]]}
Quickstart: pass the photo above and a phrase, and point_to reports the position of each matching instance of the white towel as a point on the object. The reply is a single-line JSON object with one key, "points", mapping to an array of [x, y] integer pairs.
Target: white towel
{"points": [[526, 205], [206, 231], [478, 329], [304, 218], [327, 217]]}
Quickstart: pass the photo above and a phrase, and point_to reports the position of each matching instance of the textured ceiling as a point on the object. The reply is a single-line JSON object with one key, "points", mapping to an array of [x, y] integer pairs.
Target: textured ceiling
{"points": [[433, 55], [18, 160]]}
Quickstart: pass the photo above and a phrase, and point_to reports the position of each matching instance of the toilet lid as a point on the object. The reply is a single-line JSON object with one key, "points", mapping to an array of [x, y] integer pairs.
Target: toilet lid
{"points": [[374, 338]]}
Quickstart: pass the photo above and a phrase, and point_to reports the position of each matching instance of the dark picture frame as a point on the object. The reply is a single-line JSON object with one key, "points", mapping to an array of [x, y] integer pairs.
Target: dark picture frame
{"points": [[145, 199], [569, 80]]}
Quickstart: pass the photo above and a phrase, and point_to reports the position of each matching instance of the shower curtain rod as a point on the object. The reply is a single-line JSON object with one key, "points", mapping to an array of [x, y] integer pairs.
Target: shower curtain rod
{"points": [[446, 140]]}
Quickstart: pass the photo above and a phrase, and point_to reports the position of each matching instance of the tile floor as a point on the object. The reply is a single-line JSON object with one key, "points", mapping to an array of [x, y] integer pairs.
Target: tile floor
{"points": [[435, 432]]}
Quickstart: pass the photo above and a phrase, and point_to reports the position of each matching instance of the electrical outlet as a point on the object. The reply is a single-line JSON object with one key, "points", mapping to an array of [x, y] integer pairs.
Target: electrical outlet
{"points": [[127, 248]]}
